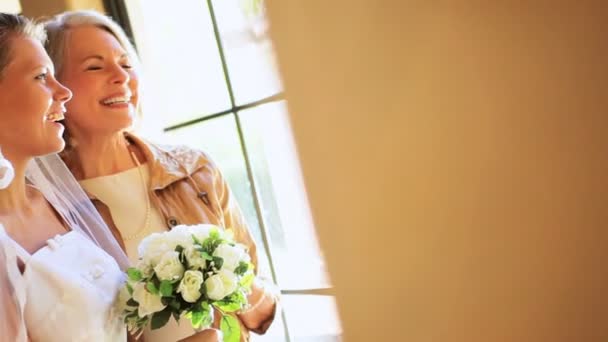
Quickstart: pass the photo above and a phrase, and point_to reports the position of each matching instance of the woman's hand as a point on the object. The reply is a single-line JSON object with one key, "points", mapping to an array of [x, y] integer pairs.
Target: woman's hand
{"points": [[263, 308]]}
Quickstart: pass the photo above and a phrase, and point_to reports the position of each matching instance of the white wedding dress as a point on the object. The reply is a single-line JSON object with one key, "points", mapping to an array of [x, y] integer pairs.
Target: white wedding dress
{"points": [[68, 289]]}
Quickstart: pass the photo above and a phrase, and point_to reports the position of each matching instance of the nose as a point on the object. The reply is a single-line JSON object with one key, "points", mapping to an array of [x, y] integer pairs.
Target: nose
{"points": [[120, 75], [61, 93]]}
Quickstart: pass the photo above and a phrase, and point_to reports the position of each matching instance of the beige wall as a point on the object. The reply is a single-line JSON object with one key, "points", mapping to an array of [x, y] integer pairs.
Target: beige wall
{"points": [[39, 8], [456, 162]]}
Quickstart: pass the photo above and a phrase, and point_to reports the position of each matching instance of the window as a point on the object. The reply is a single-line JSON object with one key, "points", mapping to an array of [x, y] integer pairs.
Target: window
{"points": [[211, 82]]}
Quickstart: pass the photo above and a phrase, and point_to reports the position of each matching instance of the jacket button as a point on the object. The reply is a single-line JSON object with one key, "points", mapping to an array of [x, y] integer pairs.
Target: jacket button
{"points": [[204, 197], [172, 221]]}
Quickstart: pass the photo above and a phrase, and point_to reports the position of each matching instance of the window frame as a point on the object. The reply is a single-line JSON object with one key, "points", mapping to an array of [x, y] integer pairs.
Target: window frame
{"points": [[118, 11]]}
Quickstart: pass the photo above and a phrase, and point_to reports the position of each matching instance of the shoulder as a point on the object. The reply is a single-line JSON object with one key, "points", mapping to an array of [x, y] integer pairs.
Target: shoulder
{"points": [[182, 157]]}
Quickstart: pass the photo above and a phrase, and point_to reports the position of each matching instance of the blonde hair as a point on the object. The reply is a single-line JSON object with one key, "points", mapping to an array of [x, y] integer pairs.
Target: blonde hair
{"points": [[12, 26], [58, 30], [59, 26]]}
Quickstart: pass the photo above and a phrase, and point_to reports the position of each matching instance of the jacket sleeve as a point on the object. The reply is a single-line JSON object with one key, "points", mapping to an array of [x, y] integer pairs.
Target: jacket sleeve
{"points": [[260, 320], [233, 217]]}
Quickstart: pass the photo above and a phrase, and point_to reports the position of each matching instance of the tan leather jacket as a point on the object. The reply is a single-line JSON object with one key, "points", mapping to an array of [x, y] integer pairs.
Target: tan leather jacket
{"points": [[187, 188]]}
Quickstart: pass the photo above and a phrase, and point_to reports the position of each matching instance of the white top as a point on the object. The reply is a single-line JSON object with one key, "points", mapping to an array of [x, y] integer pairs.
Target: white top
{"points": [[123, 194], [70, 289]]}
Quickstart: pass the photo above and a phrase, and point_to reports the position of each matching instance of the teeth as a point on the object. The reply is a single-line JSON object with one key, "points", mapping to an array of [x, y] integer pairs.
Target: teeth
{"points": [[118, 99], [55, 116]]}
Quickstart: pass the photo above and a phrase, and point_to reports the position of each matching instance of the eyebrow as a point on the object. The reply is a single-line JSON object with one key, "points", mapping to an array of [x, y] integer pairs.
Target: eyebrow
{"points": [[100, 57], [46, 68]]}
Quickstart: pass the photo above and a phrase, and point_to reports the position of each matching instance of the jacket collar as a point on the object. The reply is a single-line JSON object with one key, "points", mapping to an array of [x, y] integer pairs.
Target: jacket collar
{"points": [[167, 164]]}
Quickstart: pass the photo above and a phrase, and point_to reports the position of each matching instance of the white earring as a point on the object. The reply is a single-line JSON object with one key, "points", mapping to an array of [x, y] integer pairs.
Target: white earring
{"points": [[7, 172]]}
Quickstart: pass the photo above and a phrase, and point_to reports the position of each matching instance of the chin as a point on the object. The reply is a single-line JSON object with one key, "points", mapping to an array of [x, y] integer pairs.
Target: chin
{"points": [[54, 145], [125, 124]]}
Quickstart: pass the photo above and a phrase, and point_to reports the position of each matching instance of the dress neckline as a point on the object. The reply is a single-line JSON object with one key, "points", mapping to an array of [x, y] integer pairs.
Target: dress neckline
{"points": [[23, 254]]}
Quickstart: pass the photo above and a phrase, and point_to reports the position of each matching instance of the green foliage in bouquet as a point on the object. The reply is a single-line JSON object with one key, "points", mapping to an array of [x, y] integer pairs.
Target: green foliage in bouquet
{"points": [[191, 279]]}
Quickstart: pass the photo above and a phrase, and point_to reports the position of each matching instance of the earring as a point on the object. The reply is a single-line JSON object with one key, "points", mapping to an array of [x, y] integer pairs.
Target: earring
{"points": [[7, 173]]}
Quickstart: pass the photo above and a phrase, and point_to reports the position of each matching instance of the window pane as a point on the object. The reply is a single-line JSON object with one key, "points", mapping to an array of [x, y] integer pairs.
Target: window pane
{"points": [[181, 64], [276, 169], [312, 318], [248, 50], [219, 138]]}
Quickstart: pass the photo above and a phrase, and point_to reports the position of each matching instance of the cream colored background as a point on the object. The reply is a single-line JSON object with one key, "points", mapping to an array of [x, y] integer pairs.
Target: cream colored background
{"points": [[455, 158]]}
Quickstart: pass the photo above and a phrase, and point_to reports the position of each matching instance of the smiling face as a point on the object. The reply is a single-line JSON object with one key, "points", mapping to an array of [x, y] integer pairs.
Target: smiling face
{"points": [[105, 85], [31, 102]]}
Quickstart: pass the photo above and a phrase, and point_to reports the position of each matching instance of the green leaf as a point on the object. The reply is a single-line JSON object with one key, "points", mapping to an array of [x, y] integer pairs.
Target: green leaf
{"points": [[206, 307], [214, 234], [152, 288], [231, 329], [196, 319], [247, 280], [241, 268], [232, 303], [159, 319], [218, 262], [175, 304], [200, 315], [166, 288], [211, 242], [196, 240], [130, 289], [228, 306], [206, 256], [134, 274]]}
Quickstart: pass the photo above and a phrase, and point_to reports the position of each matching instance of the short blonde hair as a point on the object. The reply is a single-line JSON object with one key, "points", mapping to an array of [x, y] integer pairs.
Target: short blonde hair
{"points": [[58, 28]]}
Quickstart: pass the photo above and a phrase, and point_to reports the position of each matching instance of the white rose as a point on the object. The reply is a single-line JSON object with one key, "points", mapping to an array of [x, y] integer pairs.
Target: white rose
{"points": [[220, 285], [169, 267], [122, 298], [190, 286], [181, 235], [202, 231], [195, 259], [145, 268], [148, 302], [232, 256], [154, 246]]}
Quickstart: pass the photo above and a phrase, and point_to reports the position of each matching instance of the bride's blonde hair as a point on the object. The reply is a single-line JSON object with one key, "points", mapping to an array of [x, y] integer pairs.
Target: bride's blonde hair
{"points": [[12, 26]]}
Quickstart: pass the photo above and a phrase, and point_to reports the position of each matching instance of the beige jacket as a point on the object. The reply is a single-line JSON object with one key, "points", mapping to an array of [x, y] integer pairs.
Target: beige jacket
{"points": [[187, 188]]}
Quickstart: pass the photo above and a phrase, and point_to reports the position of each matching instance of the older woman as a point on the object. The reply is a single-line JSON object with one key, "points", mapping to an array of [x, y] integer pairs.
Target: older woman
{"points": [[138, 187]]}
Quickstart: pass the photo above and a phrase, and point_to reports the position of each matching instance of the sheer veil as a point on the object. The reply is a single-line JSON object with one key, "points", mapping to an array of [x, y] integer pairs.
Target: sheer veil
{"points": [[52, 178]]}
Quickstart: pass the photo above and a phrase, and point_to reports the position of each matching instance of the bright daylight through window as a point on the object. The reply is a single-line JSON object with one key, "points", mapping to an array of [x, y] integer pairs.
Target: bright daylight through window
{"points": [[213, 84]]}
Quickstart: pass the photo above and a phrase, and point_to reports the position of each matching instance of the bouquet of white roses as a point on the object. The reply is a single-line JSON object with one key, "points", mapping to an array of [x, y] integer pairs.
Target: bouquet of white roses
{"points": [[188, 272]]}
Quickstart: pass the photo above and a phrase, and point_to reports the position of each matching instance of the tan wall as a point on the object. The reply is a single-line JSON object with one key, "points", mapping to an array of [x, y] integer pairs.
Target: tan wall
{"points": [[38, 8], [455, 158]]}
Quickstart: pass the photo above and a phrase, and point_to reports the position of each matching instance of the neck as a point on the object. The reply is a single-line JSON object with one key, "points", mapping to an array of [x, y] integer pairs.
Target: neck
{"points": [[14, 198], [101, 155]]}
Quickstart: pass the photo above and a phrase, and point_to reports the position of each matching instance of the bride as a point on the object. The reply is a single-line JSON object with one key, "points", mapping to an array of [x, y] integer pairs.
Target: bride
{"points": [[60, 267]]}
